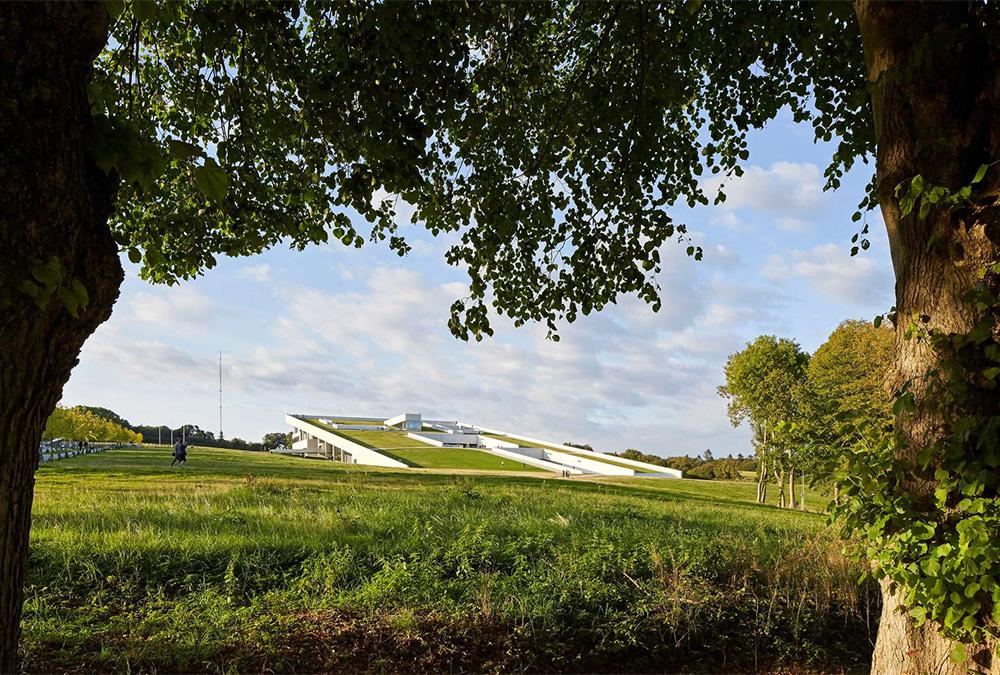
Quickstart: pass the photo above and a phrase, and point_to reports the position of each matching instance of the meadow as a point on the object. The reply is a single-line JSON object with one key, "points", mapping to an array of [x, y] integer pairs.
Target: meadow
{"points": [[255, 562]]}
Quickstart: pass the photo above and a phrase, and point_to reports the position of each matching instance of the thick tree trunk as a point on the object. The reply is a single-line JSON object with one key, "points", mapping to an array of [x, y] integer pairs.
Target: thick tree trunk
{"points": [[935, 86], [791, 489], [54, 203]]}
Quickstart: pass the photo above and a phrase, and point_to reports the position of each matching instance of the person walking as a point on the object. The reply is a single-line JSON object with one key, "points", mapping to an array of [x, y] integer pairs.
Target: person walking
{"points": [[180, 453]]}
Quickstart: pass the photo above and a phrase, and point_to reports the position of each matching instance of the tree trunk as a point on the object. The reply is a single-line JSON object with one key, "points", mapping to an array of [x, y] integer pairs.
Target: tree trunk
{"points": [[762, 482], [935, 85], [791, 489], [55, 203], [780, 475]]}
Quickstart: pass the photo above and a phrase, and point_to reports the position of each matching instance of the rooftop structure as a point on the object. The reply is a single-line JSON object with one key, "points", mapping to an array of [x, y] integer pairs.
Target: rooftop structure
{"points": [[409, 441]]}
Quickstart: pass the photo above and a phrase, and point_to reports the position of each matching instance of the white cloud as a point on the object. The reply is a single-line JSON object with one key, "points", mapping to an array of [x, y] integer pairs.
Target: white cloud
{"points": [[259, 273], [726, 218], [789, 192], [790, 224], [831, 270], [171, 306], [386, 347], [786, 188]]}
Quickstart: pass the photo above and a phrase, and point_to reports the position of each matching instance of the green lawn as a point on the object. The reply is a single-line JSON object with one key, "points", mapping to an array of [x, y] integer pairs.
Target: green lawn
{"points": [[398, 445], [252, 562], [340, 420]]}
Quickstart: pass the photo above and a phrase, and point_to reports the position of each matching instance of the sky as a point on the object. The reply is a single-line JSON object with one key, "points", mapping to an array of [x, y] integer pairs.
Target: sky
{"points": [[334, 330]]}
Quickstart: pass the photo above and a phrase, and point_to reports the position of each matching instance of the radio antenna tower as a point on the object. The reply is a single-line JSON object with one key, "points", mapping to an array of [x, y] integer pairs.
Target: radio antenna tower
{"points": [[220, 397]]}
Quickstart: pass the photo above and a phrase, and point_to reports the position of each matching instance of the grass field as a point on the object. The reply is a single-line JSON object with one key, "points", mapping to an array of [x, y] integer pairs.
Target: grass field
{"points": [[398, 445], [256, 562]]}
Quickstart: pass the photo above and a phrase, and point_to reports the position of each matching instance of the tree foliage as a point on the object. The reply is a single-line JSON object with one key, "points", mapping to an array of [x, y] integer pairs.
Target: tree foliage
{"points": [[930, 521], [542, 135], [765, 383], [276, 439], [107, 414], [848, 392], [80, 424]]}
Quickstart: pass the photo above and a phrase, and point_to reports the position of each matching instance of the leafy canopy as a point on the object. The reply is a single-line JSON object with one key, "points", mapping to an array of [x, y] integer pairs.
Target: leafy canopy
{"points": [[765, 383], [82, 424], [549, 138], [847, 383]]}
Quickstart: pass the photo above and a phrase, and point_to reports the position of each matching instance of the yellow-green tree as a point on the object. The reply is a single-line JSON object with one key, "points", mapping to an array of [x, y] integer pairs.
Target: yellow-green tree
{"points": [[847, 391], [79, 424]]}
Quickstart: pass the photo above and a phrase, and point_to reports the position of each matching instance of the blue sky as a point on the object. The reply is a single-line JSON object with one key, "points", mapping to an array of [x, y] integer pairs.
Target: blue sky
{"points": [[336, 330]]}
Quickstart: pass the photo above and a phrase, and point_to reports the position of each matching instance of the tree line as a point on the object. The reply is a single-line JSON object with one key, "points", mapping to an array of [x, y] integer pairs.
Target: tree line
{"points": [[805, 411], [80, 424], [190, 433], [706, 466]]}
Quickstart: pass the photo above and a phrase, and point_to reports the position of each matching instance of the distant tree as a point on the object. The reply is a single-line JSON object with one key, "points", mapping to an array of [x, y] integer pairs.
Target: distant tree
{"points": [[582, 446], [717, 469], [765, 385], [79, 424], [274, 440], [847, 391], [707, 455], [636, 455], [195, 434], [109, 415]]}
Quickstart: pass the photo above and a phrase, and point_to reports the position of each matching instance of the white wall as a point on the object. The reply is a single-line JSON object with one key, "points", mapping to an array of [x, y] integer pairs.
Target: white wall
{"points": [[488, 442], [531, 460], [359, 453], [441, 439], [641, 468]]}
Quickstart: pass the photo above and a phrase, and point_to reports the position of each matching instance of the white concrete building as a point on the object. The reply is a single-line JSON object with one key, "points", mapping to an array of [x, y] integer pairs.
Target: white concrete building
{"points": [[329, 437]]}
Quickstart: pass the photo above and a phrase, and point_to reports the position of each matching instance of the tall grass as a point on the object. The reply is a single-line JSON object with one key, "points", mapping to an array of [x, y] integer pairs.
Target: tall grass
{"points": [[246, 561]]}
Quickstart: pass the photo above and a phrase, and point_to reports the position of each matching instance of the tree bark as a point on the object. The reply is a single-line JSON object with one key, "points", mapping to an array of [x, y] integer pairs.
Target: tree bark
{"points": [[933, 78], [780, 475], [791, 489], [54, 203], [762, 469]]}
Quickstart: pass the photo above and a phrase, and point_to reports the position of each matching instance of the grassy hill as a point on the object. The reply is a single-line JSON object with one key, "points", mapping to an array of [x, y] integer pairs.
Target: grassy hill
{"points": [[398, 445], [249, 562]]}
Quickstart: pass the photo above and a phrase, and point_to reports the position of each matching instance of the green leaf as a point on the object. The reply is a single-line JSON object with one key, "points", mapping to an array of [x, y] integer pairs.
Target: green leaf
{"points": [[70, 301], [145, 10], [183, 150], [904, 403], [980, 173], [134, 255], [211, 180], [31, 289], [113, 8], [80, 291], [958, 653], [49, 272]]}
